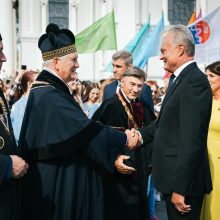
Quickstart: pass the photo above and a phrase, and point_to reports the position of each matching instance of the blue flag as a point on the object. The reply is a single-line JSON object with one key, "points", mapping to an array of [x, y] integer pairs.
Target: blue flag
{"points": [[151, 46], [135, 45]]}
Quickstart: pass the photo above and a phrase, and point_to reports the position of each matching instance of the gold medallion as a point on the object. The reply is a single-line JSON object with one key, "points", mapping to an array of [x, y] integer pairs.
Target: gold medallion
{"points": [[2, 142]]}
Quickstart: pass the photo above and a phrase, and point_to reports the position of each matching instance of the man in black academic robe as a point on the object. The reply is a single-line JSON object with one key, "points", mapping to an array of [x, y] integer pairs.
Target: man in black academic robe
{"points": [[12, 167], [8, 185], [67, 152], [125, 193]]}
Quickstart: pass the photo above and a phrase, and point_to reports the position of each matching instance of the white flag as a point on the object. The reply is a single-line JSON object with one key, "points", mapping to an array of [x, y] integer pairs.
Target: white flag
{"points": [[206, 33]]}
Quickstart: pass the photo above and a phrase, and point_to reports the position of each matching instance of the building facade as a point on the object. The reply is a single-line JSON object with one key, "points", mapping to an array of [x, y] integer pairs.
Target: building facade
{"points": [[23, 21]]}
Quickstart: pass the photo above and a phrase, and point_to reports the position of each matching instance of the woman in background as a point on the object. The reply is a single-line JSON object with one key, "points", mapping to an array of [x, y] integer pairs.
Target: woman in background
{"points": [[211, 210], [90, 104], [76, 87]]}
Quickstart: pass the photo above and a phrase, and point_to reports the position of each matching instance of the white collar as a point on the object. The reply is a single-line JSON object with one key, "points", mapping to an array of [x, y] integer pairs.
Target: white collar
{"points": [[179, 69], [129, 101], [55, 74]]}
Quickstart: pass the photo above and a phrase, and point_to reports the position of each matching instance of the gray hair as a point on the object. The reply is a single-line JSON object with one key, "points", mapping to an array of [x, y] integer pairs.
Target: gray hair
{"points": [[182, 35], [124, 55], [47, 63], [135, 72]]}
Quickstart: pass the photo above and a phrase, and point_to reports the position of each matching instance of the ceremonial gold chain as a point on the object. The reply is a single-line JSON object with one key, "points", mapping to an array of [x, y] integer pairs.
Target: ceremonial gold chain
{"points": [[130, 116], [5, 113]]}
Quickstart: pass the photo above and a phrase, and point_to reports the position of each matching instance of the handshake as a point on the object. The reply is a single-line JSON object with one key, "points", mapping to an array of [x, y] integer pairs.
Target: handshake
{"points": [[134, 139]]}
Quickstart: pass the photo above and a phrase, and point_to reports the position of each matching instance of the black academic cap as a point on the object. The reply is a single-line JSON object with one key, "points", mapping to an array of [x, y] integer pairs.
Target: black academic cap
{"points": [[56, 42]]}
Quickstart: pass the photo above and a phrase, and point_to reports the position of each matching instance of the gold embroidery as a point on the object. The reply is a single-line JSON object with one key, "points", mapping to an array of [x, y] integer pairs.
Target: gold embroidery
{"points": [[4, 115], [4, 109], [59, 52], [40, 84], [2, 142], [130, 116]]}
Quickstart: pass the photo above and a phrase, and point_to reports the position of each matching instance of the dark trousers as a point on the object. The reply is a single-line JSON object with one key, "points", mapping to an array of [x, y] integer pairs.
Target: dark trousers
{"points": [[194, 214]]}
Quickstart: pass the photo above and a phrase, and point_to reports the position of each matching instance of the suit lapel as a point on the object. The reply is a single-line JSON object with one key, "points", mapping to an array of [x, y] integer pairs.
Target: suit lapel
{"points": [[175, 84], [171, 91], [114, 86]]}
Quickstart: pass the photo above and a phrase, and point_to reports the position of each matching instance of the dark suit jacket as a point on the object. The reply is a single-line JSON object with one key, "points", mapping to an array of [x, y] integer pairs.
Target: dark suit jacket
{"points": [[180, 158], [145, 96], [110, 90]]}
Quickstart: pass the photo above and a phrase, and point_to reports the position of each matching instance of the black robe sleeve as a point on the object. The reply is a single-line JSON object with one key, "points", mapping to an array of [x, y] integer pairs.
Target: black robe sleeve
{"points": [[3, 164], [54, 126], [111, 113]]}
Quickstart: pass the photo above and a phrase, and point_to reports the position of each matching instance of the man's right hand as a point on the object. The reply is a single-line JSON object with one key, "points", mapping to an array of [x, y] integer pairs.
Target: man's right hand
{"points": [[132, 139], [179, 203], [19, 167], [121, 167]]}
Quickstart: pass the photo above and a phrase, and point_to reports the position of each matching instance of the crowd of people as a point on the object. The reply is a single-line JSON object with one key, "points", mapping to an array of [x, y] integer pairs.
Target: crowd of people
{"points": [[82, 150]]}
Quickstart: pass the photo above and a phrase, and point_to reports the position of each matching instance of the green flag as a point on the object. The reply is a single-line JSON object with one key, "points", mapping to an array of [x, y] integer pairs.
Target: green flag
{"points": [[99, 36]]}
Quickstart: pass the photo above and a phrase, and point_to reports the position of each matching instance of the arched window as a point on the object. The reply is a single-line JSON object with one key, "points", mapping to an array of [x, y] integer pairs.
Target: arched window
{"points": [[180, 11]]}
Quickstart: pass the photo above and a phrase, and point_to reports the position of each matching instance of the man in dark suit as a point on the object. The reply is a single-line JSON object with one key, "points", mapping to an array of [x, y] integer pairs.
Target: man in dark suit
{"points": [[180, 159], [12, 167], [121, 61]]}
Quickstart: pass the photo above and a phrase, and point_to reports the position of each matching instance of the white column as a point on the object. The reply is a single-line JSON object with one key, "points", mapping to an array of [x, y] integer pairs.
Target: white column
{"points": [[208, 6], [138, 15], [73, 5], [101, 58], [30, 29], [44, 15], [15, 60], [104, 7], [7, 32], [125, 17], [204, 6], [165, 12]]}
